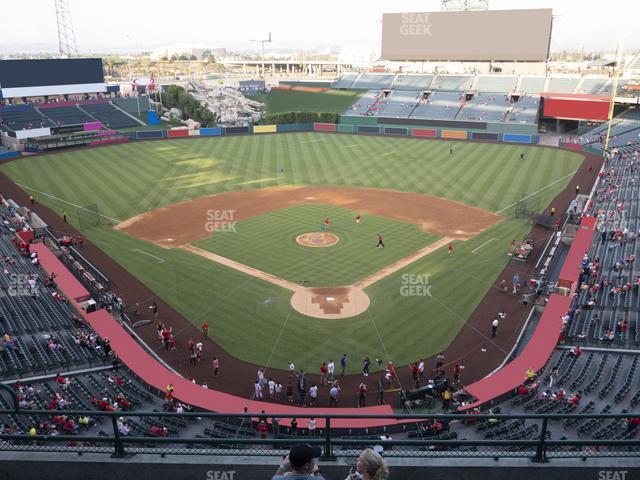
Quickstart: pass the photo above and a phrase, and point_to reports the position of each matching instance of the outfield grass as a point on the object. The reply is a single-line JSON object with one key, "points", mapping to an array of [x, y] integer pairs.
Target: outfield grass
{"points": [[336, 101], [268, 243], [252, 319]]}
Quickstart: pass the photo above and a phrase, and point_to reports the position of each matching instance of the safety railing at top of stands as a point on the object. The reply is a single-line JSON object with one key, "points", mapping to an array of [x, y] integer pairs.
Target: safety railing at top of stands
{"points": [[229, 434]]}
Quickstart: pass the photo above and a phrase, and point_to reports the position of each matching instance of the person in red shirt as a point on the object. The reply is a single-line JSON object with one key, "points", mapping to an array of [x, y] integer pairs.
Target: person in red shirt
{"points": [[262, 429], [575, 398], [170, 389], [457, 370], [60, 380], [391, 371], [633, 423], [436, 426], [323, 373], [166, 333], [450, 248], [205, 329], [159, 431], [326, 223], [362, 395], [172, 343], [414, 373], [123, 402]]}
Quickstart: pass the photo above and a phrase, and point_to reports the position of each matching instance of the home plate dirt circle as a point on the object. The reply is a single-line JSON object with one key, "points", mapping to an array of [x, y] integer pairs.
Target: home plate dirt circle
{"points": [[317, 239], [330, 302]]}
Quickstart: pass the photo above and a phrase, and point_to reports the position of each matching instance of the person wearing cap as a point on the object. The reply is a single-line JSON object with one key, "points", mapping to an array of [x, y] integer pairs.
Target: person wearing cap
{"points": [[301, 463]]}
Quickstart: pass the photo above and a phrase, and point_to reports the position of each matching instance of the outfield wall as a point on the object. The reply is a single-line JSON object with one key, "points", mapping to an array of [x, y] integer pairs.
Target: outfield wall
{"points": [[393, 127], [9, 154], [450, 129]]}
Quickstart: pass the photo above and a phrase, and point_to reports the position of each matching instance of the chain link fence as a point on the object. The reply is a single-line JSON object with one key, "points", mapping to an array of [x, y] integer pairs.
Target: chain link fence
{"points": [[405, 436]]}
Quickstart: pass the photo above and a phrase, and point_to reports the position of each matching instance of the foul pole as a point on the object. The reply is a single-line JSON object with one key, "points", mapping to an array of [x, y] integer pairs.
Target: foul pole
{"points": [[614, 91]]}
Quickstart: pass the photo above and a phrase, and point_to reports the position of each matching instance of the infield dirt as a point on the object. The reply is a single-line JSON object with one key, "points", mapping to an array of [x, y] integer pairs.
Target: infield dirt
{"points": [[186, 222]]}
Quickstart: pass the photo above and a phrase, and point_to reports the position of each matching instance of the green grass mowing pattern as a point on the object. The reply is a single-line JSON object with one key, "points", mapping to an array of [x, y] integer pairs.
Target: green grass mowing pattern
{"points": [[335, 101], [132, 178], [268, 243], [246, 315]]}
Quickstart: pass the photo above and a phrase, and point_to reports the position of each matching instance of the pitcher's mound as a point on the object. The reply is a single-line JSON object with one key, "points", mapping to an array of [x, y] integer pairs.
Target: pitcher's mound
{"points": [[317, 239]]}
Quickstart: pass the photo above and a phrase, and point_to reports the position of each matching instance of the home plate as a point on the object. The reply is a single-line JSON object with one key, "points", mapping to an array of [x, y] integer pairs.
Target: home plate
{"points": [[483, 350], [330, 299]]}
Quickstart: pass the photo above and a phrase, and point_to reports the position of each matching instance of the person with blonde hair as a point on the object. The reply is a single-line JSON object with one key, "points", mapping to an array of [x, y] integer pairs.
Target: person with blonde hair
{"points": [[370, 466]]}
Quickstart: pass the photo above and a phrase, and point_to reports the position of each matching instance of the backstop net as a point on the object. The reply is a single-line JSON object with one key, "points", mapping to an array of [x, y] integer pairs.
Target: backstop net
{"points": [[88, 216]]}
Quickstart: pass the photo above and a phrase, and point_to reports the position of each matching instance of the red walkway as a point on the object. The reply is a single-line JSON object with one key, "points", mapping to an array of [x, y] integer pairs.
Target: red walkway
{"points": [[155, 374], [535, 355], [544, 339], [570, 272]]}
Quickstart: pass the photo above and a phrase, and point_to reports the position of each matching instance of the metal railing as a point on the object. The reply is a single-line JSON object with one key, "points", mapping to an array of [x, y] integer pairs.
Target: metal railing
{"points": [[524, 436]]}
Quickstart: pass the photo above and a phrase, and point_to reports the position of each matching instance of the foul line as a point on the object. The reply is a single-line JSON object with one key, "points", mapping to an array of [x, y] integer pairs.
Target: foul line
{"points": [[536, 192], [160, 260], [392, 268], [68, 203], [475, 250]]}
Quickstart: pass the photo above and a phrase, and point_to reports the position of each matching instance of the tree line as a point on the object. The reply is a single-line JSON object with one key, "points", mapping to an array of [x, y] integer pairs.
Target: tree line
{"points": [[176, 96]]}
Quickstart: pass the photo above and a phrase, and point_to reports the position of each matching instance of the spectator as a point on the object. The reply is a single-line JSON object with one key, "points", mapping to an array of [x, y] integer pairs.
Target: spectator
{"points": [[362, 395], [312, 425], [330, 370], [313, 394], [439, 360], [262, 429], [575, 352], [323, 373], [365, 366], [289, 391], [301, 464], [370, 466], [333, 395], [216, 366]]}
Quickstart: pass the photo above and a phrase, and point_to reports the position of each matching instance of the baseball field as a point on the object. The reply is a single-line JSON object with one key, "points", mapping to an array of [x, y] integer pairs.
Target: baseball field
{"points": [[281, 100], [211, 226]]}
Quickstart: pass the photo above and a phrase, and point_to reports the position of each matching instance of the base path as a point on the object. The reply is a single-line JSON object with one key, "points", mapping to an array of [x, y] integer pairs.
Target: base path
{"points": [[324, 302], [186, 222]]}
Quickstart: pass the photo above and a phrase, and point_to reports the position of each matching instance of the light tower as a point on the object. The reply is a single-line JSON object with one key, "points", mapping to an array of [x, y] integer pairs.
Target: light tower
{"points": [[263, 41], [67, 45], [457, 5]]}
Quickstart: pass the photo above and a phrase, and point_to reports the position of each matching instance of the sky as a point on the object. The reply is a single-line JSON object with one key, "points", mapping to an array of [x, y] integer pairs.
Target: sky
{"points": [[134, 26]]}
